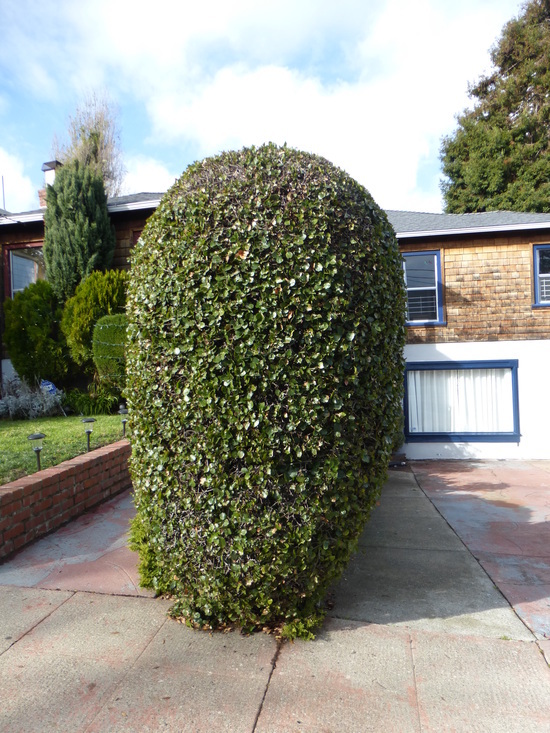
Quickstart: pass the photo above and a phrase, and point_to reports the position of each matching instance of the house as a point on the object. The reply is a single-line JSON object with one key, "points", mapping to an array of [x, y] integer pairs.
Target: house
{"points": [[478, 334], [478, 328], [22, 237]]}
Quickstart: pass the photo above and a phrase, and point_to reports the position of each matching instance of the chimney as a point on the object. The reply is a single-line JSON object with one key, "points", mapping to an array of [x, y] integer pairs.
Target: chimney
{"points": [[49, 177]]}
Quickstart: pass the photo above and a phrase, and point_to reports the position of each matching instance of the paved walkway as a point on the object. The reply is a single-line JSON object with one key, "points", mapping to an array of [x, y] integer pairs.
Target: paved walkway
{"points": [[419, 639]]}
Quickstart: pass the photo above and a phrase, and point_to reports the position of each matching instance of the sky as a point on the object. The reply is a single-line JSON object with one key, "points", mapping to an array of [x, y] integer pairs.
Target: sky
{"points": [[371, 85]]}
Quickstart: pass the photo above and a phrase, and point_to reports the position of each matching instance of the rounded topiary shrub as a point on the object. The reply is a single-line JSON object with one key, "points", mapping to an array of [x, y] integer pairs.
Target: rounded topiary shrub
{"points": [[109, 349], [100, 294], [264, 367]]}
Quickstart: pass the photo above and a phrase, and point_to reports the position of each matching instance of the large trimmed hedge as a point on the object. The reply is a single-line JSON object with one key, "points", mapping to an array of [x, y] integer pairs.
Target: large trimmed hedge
{"points": [[264, 365]]}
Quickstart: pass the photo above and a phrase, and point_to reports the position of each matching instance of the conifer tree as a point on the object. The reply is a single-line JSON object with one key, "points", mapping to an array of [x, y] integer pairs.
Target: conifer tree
{"points": [[79, 237], [499, 156]]}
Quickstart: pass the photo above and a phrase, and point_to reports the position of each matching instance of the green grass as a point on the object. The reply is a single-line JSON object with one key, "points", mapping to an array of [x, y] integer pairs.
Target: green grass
{"points": [[65, 438]]}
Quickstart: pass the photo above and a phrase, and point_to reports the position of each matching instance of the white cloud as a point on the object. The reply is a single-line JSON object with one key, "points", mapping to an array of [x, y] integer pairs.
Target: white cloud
{"points": [[18, 191], [371, 86], [380, 126], [146, 175]]}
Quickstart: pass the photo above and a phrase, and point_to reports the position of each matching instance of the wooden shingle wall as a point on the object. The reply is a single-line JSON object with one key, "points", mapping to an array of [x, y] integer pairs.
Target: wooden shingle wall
{"points": [[488, 290]]}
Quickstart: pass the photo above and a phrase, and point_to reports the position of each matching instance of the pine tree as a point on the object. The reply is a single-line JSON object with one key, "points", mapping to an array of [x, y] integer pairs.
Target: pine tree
{"points": [[499, 156], [79, 237]]}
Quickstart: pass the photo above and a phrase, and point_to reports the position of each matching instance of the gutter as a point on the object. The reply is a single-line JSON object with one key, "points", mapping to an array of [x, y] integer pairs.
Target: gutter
{"points": [[37, 216]]}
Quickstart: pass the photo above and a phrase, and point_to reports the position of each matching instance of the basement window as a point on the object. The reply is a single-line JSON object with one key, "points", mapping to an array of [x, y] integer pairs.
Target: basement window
{"points": [[462, 401]]}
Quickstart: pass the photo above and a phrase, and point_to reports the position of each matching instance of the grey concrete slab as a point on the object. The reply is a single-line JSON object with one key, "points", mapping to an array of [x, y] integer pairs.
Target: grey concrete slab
{"points": [[353, 678], [190, 681], [41, 694], [405, 519], [469, 685], [92, 626], [400, 481], [426, 589], [21, 609]]}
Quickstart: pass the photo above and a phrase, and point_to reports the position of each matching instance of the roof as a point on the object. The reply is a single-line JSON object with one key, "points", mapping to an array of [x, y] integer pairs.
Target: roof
{"points": [[407, 224], [132, 202], [418, 224]]}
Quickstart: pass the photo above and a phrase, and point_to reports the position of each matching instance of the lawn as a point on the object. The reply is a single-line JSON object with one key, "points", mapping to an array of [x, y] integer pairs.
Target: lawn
{"points": [[65, 438]]}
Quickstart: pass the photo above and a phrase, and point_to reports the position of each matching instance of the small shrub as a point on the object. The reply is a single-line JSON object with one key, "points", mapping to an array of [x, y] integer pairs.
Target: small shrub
{"points": [[100, 294], [21, 402], [265, 375], [98, 400], [109, 349], [36, 345]]}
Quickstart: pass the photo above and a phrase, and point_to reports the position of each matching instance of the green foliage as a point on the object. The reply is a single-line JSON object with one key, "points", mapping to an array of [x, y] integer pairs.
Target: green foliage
{"points": [[79, 237], [35, 343], [109, 349], [266, 315], [499, 156], [98, 400], [100, 294]]}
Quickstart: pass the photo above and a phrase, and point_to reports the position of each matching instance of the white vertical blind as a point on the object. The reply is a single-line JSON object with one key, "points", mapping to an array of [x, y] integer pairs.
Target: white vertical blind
{"points": [[460, 401]]}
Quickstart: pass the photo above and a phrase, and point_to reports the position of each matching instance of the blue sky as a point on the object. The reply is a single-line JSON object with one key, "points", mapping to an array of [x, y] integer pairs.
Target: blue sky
{"points": [[372, 85]]}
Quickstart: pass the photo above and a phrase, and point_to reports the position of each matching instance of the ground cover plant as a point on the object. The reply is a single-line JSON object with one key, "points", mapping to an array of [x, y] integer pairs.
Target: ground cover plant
{"points": [[65, 439], [264, 367]]}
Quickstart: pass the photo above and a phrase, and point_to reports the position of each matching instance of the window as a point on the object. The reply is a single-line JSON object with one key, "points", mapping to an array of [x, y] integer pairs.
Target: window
{"points": [[424, 290], [25, 265], [542, 274], [462, 401]]}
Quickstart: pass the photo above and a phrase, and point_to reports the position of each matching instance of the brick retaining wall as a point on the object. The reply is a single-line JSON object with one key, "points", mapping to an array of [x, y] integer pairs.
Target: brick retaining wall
{"points": [[36, 504]]}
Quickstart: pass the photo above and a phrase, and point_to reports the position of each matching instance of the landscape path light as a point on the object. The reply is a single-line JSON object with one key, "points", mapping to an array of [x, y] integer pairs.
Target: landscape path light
{"points": [[37, 439], [123, 411], [88, 422]]}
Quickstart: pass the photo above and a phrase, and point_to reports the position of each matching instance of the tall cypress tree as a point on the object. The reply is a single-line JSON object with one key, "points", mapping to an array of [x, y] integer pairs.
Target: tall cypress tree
{"points": [[79, 237], [499, 156]]}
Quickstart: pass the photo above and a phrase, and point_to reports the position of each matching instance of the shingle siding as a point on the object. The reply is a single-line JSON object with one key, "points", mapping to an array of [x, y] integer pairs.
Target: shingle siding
{"points": [[488, 290]]}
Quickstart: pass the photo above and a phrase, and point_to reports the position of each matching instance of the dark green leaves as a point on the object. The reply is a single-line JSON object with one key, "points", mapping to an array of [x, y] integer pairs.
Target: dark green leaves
{"points": [[264, 366], [499, 156]]}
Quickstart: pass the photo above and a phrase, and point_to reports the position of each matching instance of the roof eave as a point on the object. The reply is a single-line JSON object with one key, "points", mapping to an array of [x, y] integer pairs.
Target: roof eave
{"points": [[496, 229], [37, 216], [133, 206]]}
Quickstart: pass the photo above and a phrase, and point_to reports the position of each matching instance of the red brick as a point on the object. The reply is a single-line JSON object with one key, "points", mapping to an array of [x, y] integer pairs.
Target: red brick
{"points": [[8, 510], [64, 506], [14, 531], [23, 514], [6, 547], [33, 522], [21, 541]]}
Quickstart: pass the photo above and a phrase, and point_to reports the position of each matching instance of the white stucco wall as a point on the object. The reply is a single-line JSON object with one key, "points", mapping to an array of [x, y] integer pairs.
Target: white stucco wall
{"points": [[534, 398]]}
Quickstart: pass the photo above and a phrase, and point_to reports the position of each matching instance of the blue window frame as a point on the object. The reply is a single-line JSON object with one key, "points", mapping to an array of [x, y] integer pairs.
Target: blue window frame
{"points": [[424, 288], [541, 262], [468, 401]]}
